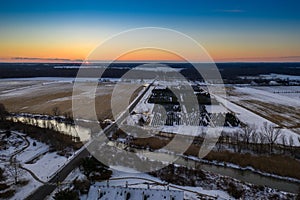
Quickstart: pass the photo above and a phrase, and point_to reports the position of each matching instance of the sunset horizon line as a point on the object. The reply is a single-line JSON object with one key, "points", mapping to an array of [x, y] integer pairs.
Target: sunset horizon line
{"points": [[282, 59]]}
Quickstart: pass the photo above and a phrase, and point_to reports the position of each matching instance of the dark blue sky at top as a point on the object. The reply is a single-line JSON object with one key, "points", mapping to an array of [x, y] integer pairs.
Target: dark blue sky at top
{"points": [[189, 15], [256, 9]]}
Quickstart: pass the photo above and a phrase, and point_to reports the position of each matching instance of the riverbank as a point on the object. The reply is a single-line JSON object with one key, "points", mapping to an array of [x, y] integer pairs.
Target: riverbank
{"points": [[59, 142], [275, 165], [278, 165]]}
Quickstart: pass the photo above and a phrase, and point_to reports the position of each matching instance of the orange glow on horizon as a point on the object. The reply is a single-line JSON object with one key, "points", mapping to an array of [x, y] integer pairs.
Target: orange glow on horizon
{"points": [[78, 52], [150, 55]]}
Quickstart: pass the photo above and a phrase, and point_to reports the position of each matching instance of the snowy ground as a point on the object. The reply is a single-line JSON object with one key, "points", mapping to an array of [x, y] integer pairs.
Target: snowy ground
{"points": [[32, 151], [292, 92], [198, 130], [46, 165], [43, 165], [126, 176], [138, 180], [273, 76], [39, 160], [145, 110], [281, 76], [142, 109], [251, 118], [26, 190], [265, 94], [16, 144], [33, 156], [124, 172], [256, 106], [41, 95], [240, 101]]}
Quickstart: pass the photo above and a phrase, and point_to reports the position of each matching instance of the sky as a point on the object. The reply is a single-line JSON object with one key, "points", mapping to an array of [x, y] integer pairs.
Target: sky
{"points": [[229, 30]]}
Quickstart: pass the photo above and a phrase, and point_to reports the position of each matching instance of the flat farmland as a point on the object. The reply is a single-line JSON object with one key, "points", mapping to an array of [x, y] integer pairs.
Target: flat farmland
{"points": [[271, 103], [42, 96]]}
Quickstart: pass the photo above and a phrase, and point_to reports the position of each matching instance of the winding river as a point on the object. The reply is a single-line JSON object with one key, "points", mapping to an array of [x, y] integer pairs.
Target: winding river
{"points": [[84, 134]]}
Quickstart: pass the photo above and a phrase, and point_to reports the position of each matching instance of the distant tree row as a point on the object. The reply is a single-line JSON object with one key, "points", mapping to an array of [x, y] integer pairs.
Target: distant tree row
{"points": [[269, 139]]}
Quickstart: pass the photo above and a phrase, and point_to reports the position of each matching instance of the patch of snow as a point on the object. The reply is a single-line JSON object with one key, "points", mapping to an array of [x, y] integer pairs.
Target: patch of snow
{"points": [[266, 96], [32, 151], [26, 190], [47, 165], [281, 76], [136, 180]]}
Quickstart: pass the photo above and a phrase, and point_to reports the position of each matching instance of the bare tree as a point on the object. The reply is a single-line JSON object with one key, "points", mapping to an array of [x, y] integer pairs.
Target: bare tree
{"points": [[255, 140], [262, 140], [219, 143], [236, 139], [68, 117], [3, 112], [56, 111], [291, 144], [291, 141], [44, 124], [271, 133], [284, 142], [14, 170], [2, 177], [247, 132], [298, 195]]}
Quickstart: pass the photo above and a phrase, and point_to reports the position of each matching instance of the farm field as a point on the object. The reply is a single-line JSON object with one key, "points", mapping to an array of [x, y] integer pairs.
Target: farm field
{"points": [[270, 103], [41, 96]]}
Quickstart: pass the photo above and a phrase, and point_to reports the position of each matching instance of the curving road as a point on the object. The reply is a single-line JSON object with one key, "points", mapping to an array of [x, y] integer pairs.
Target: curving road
{"points": [[12, 158], [20, 150]]}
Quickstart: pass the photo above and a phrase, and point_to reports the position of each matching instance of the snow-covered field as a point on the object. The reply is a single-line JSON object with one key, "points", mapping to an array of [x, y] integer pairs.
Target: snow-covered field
{"points": [[40, 95], [292, 92], [251, 118], [281, 76], [273, 76], [259, 105], [264, 94]]}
